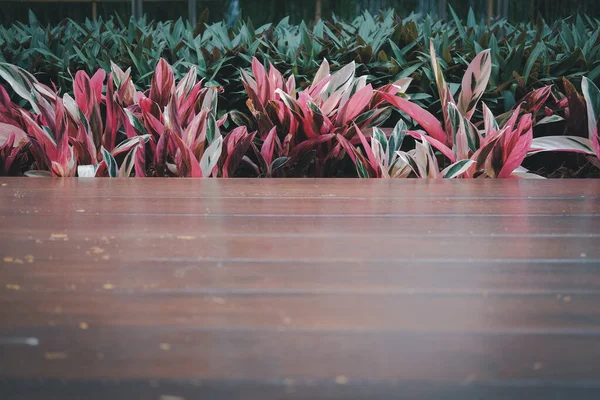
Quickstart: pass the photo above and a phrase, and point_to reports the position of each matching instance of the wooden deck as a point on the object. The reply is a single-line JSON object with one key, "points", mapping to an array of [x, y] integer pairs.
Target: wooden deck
{"points": [[299, 289]]}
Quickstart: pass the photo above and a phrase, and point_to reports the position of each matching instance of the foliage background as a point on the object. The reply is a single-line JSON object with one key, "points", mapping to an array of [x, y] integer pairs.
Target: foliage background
{"points": [[264, 11]]}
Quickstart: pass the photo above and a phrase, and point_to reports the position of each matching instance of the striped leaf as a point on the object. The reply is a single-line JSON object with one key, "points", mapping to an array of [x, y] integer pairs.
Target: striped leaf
{"points": [[561, 143], [111, 163], [591, 93], [457, 169]]}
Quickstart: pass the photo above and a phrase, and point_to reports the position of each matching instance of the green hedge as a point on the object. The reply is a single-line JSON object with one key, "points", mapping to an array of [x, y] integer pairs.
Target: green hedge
{"points": [[386, 47]]}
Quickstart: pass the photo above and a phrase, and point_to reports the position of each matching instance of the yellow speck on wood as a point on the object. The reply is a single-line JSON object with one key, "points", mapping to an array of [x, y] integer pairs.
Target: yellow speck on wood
{"points": [[8, 259], [567, 299], [29, 258], [59, 236], [18, 261], [13, 286], [341, 380], [80, 211], [106, 257], [165, 346], [185, 237], [4, 184], [97, 250], [83, 325], [108, 286], [55, 356]]}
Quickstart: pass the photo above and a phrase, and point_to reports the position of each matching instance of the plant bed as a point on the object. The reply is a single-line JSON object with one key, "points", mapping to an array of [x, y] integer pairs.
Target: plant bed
{"points": [[173, 129]]}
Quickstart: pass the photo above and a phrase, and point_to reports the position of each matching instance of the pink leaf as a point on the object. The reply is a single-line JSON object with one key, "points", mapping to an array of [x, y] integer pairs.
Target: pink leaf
{"points": [[518, 145], [346, 145], [445, 150], [355, 105], [262, 81], [6, 130], [290, 85], [190, 167], [82, 89], [97, 82], [163, 83], [268, 146], [370, 156], [112, 117], [237, 143], [140, 160], [424, 118], [443, 90]]}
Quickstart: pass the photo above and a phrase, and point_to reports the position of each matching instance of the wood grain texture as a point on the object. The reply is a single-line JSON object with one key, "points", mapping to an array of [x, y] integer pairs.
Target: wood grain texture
{"points": [[176, 289]]}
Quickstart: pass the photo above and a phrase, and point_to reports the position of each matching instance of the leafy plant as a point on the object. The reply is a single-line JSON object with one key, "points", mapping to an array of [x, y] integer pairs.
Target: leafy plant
{"points": [[169, 130]]}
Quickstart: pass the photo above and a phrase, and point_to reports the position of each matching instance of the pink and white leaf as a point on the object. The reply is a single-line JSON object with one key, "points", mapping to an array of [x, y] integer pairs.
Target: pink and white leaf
{"points": [[591, 93], [211, 156], [474, 83]]}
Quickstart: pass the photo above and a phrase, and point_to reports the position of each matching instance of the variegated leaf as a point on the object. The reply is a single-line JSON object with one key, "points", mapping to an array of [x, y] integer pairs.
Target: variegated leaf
{"points": [[211, 156]]}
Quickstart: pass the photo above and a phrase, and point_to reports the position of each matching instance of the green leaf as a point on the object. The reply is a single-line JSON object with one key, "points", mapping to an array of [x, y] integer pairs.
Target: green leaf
{"points": [[135, 122], [111, 163], [457, 169], [278, 163], [361, 170], [533, 57]]}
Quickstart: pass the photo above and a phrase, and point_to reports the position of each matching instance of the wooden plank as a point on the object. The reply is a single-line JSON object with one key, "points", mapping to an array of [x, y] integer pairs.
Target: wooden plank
{"points": [[69, 246], [300, 188], [133, 353], [262, 309], [303, 289], [25, 226], [292, 389], [309, 206], [483, 277]]}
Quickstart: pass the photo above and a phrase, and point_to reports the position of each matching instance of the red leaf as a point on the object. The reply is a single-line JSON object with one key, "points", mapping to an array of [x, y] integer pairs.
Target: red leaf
{"points": [[309, 144], [160, 157]]}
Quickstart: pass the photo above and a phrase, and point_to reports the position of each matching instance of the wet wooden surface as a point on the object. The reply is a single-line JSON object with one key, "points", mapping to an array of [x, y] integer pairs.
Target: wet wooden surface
{"points": [[299, 289]]}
